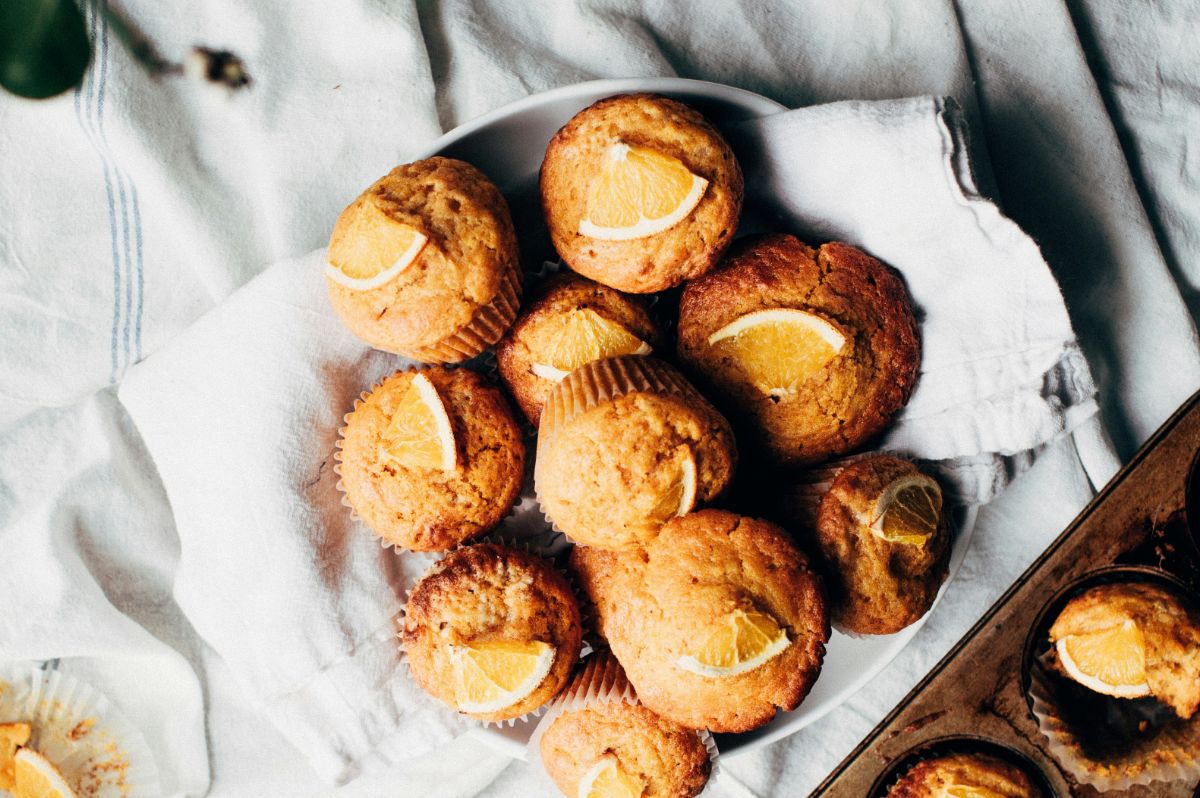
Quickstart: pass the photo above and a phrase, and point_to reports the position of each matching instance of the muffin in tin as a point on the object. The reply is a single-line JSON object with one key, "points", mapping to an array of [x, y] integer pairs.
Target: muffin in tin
{"points": [[492, 631], [884, 543], [817, 348], [718, 621], [424, 263], [965, 774], [572, 321], [624, 445], [431, 458], [640, 192]]}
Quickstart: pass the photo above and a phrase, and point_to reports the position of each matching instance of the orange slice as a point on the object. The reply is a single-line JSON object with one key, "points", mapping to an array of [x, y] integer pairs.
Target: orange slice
{"points": [[37, 777], [607, 779], [372, 249], [968, 791], [490, 676], [639, 192], [745, 641], [1111, 661], [680, 497], [779, 348], [12, 737], [420, 435], [579, 337], [908, 511]]}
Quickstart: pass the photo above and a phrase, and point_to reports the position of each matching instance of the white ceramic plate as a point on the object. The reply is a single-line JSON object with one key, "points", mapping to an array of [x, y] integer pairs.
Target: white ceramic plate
{"points": [[508, 145]]}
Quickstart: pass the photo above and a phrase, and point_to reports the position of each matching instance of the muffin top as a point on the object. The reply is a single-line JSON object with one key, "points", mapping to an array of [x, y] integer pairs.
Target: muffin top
{"points": [[829, 355], [571, 322], [602, 737], [617, 161], [624, 445], [492, 631], [985, 776], [1129, 640], [470, 253], [674, 611], [431, 500], [885, 544]]}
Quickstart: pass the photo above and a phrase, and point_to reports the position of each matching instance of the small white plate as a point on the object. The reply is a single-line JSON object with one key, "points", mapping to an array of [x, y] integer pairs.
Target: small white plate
{"points": [[508, 145]]}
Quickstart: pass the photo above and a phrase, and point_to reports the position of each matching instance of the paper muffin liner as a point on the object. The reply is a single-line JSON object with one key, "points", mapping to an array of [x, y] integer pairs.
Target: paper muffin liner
{"points": [[602, 680], [805, 494], [398, 624], [99, 751], [1172, 755], [486, 327]]}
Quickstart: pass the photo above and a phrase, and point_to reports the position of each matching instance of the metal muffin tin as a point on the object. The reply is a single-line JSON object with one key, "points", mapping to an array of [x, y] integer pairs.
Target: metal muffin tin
{"points": [[1138, 527]]}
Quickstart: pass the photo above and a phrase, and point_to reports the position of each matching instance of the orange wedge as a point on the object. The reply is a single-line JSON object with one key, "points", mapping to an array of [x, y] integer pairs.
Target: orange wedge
{"points": [[579, 337], [490, 676], [420, 434], [968, 791], [680, 496], [908, 511], [37, 777], [639, 192], [607, 779], [372, 249], [12, 737], [1111, 661], [745, 641], [779, 348]]}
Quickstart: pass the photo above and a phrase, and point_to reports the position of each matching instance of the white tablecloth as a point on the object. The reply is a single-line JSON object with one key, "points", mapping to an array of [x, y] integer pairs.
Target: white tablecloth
{"points": [[129, 208]]}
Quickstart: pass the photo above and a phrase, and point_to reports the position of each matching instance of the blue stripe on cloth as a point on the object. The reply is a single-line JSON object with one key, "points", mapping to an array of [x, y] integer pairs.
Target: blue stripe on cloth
{"points": [[141, 294]]}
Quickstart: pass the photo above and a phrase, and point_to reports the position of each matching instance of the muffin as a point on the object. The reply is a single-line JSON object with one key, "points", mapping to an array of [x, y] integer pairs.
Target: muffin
{"points": [[817, 348], [718, 621], [573, 321], [979, 775], [492, 631], [624, 445], [1131, 640], [884, 543], [431, 458], [597, 733], [640, 193], [424, 263]]}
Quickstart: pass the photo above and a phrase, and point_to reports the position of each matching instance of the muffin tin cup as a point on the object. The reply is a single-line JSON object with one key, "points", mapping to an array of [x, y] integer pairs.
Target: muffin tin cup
{"points": [[486, 327], [958, 744], [80, 731], [1171, 755]]}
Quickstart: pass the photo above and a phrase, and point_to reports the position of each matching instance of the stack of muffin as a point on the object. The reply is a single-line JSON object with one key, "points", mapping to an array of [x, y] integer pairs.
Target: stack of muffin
{"points": [[705, 619]]}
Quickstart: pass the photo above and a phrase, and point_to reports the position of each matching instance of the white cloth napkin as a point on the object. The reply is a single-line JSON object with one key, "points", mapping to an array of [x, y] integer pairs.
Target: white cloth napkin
{"points": [[240, 414]]}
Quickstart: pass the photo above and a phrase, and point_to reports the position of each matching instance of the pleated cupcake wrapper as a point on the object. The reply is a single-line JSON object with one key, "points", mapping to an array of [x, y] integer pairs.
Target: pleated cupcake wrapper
{"points": [[585, 647], [593, 384], [601, 681], [812, 484], [1173, 755], [486, 327], [77, 728]]}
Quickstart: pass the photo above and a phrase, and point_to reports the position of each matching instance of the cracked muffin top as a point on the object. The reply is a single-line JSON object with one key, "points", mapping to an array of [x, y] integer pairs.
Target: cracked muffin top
{"points": [[973, 774], [492, 631], [431, 503], [717, 622], [424, 263], [818, 348], [640, 192]]}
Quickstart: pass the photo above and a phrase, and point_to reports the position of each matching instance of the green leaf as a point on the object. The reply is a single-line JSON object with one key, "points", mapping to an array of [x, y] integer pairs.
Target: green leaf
{"points": [[44, 48]]}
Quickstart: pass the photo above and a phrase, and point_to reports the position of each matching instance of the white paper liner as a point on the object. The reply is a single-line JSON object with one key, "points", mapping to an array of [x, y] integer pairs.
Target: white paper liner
{"points": [[1177, 749], [76, 727]]}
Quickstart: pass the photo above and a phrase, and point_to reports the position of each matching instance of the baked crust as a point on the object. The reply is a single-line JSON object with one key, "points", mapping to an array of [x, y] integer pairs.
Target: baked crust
{"points": [[854, 397], [562, 293], [426, 510], [665, 259], [652, 605], [876, 586], [472, 250], [930, 777], [483, 593]]}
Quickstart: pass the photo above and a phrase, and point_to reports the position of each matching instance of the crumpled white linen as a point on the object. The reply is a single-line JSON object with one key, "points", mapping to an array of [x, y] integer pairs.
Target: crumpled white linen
{"points": [[240, 414]]}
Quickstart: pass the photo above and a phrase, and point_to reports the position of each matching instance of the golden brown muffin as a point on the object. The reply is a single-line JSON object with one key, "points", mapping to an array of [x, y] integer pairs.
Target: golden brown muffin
{"points": [[462, 291], [597, 727], [990, 777], [575, 158], [877, 585], [539, 330], [659, 606], [624, 445], [1167, 631], [850, 399], [426, 509], [488, 594]]}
